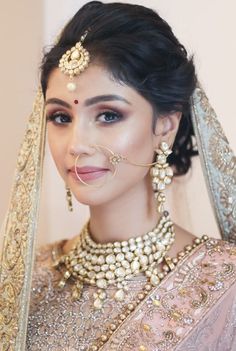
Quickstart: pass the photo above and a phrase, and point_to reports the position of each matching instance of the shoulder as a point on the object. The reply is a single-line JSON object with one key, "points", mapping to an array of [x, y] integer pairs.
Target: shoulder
{"points": [[213, 251], [213, 248], [212, 263], [45, 276], [222, 250], [44, 254], [221, 255], [209, 263]]}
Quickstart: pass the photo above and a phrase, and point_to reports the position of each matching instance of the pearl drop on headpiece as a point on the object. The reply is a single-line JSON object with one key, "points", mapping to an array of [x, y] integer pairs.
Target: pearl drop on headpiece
{"points": [[71, 86]]}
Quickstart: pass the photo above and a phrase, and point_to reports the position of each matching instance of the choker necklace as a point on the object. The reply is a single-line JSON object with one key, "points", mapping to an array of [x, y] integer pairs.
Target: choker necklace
{"points": [[113, 264]]}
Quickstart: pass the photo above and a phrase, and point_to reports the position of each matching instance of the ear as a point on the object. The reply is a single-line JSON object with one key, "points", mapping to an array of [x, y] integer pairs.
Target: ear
{"points": [[166, 128]]}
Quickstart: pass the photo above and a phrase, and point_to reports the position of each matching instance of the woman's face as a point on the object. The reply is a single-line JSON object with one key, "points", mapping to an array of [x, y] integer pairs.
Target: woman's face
{"points": [[100, 112]]}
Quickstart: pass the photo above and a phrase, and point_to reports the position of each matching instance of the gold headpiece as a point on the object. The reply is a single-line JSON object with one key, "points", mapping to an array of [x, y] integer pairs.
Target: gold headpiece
{"points": [[74, 61]]}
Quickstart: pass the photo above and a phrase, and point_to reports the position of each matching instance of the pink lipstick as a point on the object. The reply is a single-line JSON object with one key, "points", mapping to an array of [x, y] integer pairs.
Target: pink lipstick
{"points": [[88, 172]]}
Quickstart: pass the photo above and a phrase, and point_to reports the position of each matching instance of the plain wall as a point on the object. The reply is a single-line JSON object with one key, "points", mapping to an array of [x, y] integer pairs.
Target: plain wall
{"points": [[207, 29], [21, 39]]}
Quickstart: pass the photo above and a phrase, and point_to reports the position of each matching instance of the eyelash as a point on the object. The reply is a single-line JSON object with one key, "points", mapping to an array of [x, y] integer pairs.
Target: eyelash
{"points": [[53, 116], [110, 114], [67, 118]]}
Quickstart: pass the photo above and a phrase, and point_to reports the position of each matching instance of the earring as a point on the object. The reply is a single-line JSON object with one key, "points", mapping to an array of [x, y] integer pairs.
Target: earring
{"points": [[69, 199], [161, 175]]}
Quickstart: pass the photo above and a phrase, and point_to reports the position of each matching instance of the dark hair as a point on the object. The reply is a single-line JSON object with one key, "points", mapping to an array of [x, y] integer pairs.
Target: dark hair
{"points": [[139, 49]]}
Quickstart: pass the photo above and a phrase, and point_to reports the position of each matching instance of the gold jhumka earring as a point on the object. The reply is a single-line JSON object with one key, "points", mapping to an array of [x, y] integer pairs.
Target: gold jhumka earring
{"points": [[161, 174], [69, 199]]}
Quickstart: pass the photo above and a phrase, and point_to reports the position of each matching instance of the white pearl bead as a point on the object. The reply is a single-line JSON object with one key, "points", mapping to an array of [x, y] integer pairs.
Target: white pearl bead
{"points": [[111, 259], [98, 304], [71, 86], [101, 283], [135, 265], [119, 295]]}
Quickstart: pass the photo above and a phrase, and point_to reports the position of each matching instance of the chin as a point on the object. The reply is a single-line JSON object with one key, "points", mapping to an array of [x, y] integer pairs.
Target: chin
{"points": [[92, 196]]}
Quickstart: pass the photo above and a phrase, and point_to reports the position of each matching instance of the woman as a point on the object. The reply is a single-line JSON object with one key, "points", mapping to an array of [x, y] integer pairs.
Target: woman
{"points": [[117, 89]]}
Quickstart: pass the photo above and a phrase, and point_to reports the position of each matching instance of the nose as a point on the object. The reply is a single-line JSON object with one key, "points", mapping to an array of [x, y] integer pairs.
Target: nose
{"points": [[79, 142]]}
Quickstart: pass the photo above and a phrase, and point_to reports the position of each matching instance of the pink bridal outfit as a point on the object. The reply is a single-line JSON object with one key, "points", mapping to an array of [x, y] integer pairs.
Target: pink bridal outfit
{"points": [[193, 308]]}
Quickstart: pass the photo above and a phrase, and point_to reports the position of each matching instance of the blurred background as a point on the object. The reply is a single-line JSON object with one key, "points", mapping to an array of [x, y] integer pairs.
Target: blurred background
{"points": [[28, 28]]}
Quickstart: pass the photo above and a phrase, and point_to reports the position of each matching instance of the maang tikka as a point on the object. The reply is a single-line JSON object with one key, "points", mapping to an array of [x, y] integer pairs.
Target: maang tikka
{"points": [[74, 62], [161, 174]]}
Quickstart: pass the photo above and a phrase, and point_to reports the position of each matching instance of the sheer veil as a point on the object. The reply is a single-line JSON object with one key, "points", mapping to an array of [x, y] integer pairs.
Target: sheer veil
{"points": [[20, 225], [18, 230]]}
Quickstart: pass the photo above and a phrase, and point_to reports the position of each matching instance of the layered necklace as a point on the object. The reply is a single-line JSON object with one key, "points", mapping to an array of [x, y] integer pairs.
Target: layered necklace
{"points": [[114, 264]]}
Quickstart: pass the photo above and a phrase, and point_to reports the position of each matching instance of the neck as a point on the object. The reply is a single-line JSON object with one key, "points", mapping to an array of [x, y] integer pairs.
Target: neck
{"points": [[131, 215]]}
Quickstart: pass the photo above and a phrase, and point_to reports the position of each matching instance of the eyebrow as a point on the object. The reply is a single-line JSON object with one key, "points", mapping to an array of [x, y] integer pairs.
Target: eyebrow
{"points": [[91, 101], [58, 102], [102, 98]]}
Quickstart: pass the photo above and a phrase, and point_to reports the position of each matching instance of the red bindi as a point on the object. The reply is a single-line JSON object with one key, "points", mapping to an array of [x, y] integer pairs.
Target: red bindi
{"points": [[76, 102]]}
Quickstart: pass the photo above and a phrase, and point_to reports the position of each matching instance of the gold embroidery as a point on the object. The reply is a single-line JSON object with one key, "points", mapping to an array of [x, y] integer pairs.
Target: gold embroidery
{"points": [[170, 339], [19, 234], [183, 292], [146, 327], [214, 246], [142, 348], [176, 315], [156, 303], [228, 270], [232, 251], [219, 161], [203, 298]]}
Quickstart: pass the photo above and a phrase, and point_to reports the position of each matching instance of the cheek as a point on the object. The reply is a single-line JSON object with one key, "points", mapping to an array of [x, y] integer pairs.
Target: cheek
{"points": [[135, 144], [57, 149]]}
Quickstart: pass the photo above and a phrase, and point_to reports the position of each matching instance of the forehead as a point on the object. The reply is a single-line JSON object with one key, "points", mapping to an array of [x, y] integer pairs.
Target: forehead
{"points": [[94, 78], [94, 81]]}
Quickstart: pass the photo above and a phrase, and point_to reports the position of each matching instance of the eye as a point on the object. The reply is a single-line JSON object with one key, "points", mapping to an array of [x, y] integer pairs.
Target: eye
{"points": [[109, 117], [59, 118]]}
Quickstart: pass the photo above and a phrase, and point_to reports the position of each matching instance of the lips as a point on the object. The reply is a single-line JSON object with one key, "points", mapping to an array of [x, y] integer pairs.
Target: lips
{"points": [[88, 172], [88, 169]]}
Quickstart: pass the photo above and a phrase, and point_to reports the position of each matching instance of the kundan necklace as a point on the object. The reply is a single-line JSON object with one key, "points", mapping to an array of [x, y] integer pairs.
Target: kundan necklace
{"points": [[113, 264]]}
